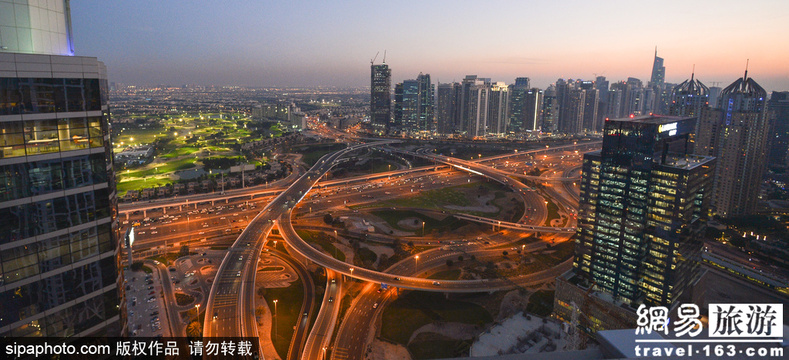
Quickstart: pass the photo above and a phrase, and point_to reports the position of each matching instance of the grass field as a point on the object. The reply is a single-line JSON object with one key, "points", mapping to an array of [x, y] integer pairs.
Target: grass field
{"points": [[317, 151], [553, 212], [126, 186], [289, 301], [392, 217], [324, 241], [413, 310], [437, 346], [452, 274]]}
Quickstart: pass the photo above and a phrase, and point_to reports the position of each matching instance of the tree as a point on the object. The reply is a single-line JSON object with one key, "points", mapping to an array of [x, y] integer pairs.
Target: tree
{"points": [[505, 253], [184, 251], [328, 219], [473, 257], [450, 262], [411, 244], [195, 329], [460, 258]]}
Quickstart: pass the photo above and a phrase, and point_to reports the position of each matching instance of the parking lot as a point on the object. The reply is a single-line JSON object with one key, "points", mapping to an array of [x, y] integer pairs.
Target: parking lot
{"points": [[145, 305]]}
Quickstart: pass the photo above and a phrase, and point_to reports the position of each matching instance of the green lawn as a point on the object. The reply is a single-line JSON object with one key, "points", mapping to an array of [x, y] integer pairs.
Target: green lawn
{"points": [[289, 302], [437, 346], [323, 240], [312, 153], [433, 199], [452, 274], [158, 169], [413, 310], [553, 212], [392, 217], [126, 186], [181, 151], [365, 256], [135, 135]]}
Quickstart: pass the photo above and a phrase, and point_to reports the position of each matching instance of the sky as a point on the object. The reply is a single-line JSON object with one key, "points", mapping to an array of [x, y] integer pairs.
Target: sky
{"points": [[293, 43]]}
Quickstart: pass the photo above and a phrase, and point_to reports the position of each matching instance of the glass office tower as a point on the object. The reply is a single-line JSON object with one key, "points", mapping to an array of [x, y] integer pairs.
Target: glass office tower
{"points": [[58, 227], [642, 198]]}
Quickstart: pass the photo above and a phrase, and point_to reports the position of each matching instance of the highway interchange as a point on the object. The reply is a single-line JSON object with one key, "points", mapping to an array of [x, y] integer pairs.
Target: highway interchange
{"points": [[248, 216]]}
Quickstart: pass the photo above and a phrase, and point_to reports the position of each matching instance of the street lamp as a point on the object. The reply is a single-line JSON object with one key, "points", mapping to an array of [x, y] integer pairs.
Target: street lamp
{"points": [[197, 310], [275, 319], [423, 228], [324, 353], [416, 263]]}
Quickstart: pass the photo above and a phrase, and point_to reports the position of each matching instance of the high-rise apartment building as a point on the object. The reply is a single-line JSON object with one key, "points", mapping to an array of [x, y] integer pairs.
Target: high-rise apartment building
{"points": [[532, 110], [688, 98], [550, 110], [447, 108], [380, 97], [779, 134], [58, 234], [642, 200], [424, 105], [498, 109], [591, 103], [736, 133], [518, 104]]}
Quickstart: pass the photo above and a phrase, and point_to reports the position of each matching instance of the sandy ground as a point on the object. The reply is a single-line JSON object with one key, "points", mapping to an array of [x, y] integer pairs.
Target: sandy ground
{"points": [[449, 329], [382, 350], [509, 337], [481, 207]]}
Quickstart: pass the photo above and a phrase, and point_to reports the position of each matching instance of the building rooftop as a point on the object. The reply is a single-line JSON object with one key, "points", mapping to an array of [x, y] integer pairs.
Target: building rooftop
{"points": [[687, 162], [653, 119]]}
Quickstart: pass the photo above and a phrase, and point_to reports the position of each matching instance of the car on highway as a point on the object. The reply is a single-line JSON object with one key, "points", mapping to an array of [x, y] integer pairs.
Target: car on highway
{"points": [[397, 278], [436, 283], [238, 273], [375, 306], [331, 298]]}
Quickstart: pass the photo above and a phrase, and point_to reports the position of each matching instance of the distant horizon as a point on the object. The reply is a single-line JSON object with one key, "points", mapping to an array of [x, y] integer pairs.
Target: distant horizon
{"points": [[310, 44]]}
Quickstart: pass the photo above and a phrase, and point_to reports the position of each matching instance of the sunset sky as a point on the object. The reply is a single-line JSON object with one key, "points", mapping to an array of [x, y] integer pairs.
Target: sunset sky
{"points": [[331, 43]]}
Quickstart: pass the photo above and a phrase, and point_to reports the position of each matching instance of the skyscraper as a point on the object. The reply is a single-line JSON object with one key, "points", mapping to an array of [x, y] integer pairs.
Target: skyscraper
{"points": [[779, 134], [58, 233], [414, 105], [498, 109], [658, 72], [532, 110], [642, 197], [591, 103], [518, 104], [380, 97], [447, 108], [736, 133], [688, 98], [424, 106], [550, 110]]}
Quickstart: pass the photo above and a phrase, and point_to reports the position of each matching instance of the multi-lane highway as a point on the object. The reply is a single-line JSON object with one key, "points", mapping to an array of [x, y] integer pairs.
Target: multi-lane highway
{"points": [[230, 308]]}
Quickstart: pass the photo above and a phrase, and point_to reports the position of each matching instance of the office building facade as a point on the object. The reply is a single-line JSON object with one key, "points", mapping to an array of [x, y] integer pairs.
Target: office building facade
{"points": [[642, 200], [58, 238]]}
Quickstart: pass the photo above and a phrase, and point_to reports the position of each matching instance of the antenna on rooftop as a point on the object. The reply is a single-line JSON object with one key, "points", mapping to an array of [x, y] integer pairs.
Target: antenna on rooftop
{"points": [[384, 56]]}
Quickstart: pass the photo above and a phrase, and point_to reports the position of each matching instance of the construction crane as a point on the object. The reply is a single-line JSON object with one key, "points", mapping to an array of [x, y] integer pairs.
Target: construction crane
{"points": [[376, 56]]}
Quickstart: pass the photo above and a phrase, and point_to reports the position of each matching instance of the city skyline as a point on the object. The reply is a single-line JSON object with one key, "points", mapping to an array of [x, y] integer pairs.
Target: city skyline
{"points": [[280, 44]]}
